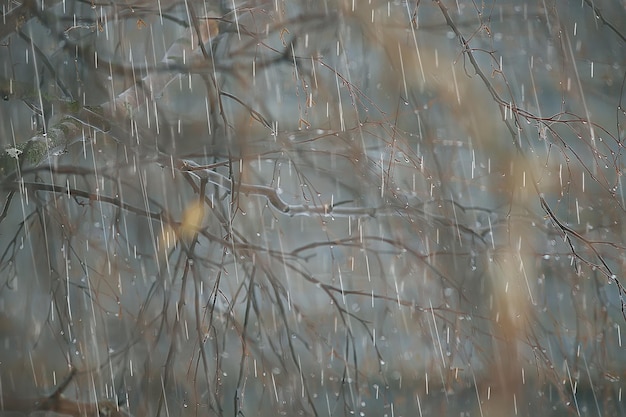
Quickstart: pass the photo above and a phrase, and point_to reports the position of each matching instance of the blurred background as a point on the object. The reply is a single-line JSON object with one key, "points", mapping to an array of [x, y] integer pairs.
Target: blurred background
{"points": [[333, 208]]}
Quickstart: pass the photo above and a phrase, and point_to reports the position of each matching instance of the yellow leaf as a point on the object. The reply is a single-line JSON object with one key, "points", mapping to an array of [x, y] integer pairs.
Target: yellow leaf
{"points": [[192, 219]]}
